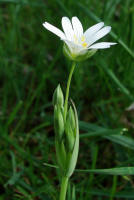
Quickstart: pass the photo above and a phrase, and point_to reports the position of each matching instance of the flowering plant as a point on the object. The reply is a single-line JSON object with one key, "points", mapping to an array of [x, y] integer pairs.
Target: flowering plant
{"points": [[78, 46]]}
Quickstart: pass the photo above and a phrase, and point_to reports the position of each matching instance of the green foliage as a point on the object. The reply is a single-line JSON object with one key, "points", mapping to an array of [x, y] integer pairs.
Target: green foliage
{"points": [[31, 66]]}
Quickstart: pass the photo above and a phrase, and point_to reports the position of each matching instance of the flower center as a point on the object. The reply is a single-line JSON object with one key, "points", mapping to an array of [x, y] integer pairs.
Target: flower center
{"points": [[80, 41], [84, 44], [83, 38]]}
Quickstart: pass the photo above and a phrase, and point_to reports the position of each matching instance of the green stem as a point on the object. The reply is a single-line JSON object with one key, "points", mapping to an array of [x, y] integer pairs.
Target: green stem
{"points": [[67, 90], [63, 190], [64, 182]]}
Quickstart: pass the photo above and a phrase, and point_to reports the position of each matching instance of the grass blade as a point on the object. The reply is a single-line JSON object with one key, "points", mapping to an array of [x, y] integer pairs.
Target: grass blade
{"points": [[122, 171]]}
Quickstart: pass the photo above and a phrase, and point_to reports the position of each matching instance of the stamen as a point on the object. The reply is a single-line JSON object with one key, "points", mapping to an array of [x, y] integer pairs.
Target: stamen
{"points": [[84, 44], [83, 38], [75, 39]]}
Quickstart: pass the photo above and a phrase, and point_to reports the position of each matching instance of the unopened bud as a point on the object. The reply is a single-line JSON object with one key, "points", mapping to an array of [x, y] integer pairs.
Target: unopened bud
{"points": [[58, 121], [58, 98], [71, 119], [70, 128]]}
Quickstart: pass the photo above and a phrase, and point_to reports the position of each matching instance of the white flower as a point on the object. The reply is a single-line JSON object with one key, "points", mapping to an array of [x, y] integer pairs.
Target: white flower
{"points": [[78, 43]]}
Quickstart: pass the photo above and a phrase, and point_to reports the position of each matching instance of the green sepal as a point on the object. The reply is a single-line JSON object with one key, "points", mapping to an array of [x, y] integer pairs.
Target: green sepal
{"points": [[58, 98], [80, 56]]}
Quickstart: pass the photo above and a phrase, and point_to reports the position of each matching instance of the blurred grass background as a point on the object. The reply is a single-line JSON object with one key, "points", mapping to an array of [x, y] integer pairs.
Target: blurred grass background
{"points": [[31, 66]]}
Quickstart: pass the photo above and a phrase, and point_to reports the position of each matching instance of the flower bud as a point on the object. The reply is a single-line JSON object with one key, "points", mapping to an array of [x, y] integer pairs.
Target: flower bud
{"points": [[70, 128], [73, 154], [58, 122], [58, 98], [78, 56], [71, 117]]}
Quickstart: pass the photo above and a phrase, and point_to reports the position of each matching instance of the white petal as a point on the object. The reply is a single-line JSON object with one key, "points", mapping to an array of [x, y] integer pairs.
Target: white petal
{"points": [[77, 27], [101, 45], [72, 44], [74, 48], [54, 30], [104, 31], [67, 27], [93, 29]]}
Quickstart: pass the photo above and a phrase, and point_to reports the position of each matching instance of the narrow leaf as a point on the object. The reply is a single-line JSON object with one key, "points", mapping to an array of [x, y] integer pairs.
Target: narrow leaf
{"points": [[123, 171]]}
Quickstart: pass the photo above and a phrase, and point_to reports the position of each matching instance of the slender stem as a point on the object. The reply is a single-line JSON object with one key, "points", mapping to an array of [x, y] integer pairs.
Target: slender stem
{"points": [[67, 90], [63, 190], [64, 182]]}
